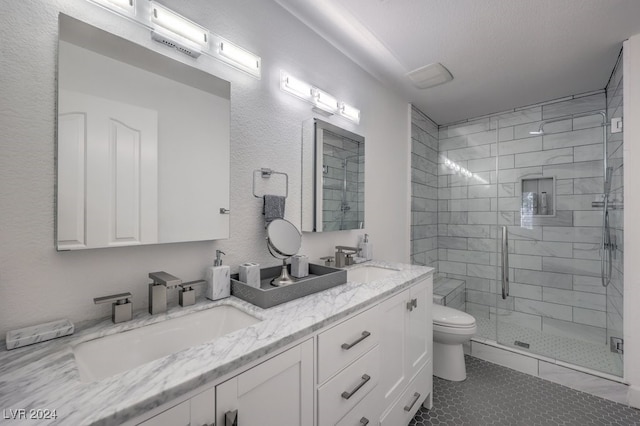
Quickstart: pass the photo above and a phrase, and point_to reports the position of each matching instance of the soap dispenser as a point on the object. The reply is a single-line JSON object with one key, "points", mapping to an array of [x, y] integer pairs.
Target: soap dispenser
{"points": [[366, 248], [218, 282]]}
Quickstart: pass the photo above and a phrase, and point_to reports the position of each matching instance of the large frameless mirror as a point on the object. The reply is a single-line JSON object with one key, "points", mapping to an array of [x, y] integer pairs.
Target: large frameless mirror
{"points": [[142, 147], [332, 178]]}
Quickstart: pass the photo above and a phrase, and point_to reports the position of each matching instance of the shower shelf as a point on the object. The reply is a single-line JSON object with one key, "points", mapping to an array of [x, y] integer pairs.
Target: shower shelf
{"points": [[537, 185]]}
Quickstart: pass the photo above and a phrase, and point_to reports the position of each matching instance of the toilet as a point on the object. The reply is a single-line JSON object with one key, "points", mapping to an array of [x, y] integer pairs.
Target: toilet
{"points": [[451, 328]]}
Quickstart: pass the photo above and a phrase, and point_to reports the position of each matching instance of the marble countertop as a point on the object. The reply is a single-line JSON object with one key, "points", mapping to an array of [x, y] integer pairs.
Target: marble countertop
{"points": [[45, 376]]}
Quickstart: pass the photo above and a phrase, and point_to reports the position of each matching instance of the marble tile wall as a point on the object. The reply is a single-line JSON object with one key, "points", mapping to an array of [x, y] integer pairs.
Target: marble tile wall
{"points": [[424, 190], [614, 151], [554, 259]]}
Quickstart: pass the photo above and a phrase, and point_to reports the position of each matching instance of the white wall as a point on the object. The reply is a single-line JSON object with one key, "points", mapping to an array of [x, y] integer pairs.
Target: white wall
{"points": [[38, 284], [631, 76]]}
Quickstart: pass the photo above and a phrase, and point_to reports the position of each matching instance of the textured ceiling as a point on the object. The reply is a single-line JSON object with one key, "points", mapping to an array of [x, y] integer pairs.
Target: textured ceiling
{"points": [[503, 54]]}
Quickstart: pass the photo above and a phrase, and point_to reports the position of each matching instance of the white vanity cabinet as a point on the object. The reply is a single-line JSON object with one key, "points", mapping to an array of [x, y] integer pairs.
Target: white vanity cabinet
{"points": [[373, 368], [405, 349], [277, 392], [197, 411]]}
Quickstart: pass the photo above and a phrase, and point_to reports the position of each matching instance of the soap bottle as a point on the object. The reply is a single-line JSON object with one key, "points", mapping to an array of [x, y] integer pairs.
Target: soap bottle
{"points": [[366, 248], [544, 208], [218, 279]]}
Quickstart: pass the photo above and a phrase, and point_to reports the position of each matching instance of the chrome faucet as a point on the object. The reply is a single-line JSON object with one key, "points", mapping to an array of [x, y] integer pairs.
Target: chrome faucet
{"points": [[121, 306], [162, 282], [344, 255]]}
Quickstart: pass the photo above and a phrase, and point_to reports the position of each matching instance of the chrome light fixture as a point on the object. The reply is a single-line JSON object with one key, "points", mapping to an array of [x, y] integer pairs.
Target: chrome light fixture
{"points": [[349, 112], [324, 103], [239, 57], [296, 87], [176, 31]]}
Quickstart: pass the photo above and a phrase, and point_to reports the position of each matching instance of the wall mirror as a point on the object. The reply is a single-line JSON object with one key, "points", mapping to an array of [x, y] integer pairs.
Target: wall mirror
{"points": [[332, 178], [142, 145]]}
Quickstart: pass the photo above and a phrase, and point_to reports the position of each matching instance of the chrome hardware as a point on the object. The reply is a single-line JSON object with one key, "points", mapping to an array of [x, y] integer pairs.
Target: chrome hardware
{"points": [[344, 255], [416, 396], [328, 260], [224, 211], [505, 263], [231, 418], [364, 421], [121, 308], [347, 346], [616, 345], [162, 282], [413, 303], [365, 379], [187, 293]]}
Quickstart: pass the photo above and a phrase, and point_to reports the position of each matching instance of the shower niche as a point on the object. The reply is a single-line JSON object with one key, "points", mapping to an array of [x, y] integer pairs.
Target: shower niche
{"points": [[538, 197]]}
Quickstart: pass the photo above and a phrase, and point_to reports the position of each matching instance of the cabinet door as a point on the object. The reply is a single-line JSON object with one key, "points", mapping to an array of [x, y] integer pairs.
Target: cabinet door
{"points": [[419, 329], [174, 416], [275, 393], [393, 347]]}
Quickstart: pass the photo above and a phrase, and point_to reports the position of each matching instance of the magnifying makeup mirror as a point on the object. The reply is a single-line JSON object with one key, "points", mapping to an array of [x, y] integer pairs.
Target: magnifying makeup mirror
{"points": [[283, 241]]}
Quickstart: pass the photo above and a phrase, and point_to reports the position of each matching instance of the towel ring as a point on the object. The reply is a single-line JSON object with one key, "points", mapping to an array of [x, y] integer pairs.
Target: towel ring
{"points": [[266, 173]]}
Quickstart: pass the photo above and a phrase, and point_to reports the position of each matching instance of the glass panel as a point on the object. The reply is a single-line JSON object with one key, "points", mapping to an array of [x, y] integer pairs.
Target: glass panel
{"points": [[549, 174]]}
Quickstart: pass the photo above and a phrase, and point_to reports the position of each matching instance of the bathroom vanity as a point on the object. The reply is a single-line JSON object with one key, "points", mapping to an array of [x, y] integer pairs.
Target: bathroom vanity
{"points": [[356, 353]]}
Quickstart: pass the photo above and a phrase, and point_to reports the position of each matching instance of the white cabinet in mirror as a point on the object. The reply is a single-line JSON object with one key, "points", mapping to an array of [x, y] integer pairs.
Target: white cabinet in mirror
{"points": [[143, 145], [332, 178]]}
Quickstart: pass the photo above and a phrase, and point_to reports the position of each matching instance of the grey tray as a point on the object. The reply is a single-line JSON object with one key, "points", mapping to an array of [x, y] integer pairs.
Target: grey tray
{"points": [[319, 278]]}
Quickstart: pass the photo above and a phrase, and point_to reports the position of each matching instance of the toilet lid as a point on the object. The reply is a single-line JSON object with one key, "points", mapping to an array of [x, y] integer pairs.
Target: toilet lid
{"points": [[443, 315]]}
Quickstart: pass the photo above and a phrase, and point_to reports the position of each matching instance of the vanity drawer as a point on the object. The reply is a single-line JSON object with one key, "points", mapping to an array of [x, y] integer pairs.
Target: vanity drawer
{"points": [[366, 412], [403, 410], [340, 345], [343, 392]]}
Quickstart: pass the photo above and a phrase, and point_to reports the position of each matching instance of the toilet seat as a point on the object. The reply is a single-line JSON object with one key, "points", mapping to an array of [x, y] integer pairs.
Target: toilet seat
{"points": [[444, 316]]}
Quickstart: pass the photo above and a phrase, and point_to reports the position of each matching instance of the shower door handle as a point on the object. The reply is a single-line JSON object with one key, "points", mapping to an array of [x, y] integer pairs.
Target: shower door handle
{"points": [[505, 263]]}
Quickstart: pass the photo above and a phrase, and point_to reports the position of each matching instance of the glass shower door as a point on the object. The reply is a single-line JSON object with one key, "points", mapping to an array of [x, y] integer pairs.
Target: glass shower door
{"points": [[549, 294]]}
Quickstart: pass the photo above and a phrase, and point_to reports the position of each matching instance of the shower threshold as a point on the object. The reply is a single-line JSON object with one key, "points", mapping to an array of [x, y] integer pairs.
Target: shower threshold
{"points": [[583, 356]]}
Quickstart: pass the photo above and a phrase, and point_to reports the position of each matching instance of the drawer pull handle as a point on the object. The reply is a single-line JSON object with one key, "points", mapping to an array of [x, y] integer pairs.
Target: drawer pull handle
{"points": [[365, 379], [231, 418], [413, 303], [347, 346], [364, 421], [416, 396]]}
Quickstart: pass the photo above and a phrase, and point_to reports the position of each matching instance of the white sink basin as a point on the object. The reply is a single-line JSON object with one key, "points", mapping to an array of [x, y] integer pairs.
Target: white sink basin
{"points": [[369, 273], [109, 355]]}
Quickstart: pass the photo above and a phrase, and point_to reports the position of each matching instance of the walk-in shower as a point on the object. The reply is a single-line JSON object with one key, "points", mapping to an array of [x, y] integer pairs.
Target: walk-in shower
{"points": [[551, 176]]}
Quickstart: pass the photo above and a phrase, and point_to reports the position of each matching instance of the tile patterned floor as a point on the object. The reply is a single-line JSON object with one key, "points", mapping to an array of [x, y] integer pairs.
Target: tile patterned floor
{"points": [[496, 395], [573, 351]]}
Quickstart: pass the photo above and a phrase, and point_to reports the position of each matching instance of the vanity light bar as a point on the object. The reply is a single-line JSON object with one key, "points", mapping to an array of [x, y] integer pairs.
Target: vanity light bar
{"points": [[239, 57], [296, 87], [319, 98], [124, 4], [324, 101], [176, 24], [349, 112]]}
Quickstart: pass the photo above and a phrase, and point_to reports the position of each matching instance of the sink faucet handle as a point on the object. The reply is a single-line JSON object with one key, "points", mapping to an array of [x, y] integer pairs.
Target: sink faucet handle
{"points": [[165, 279], [121, 308], [187, 293]]}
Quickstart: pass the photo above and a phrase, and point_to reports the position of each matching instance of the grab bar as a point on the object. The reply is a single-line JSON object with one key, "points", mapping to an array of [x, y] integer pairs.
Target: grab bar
{"points": [[505, 263]]}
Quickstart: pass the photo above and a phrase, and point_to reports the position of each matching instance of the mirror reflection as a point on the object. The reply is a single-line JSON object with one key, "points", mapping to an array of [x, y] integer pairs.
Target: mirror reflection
{"points": [[333, 178], [143, 145]]}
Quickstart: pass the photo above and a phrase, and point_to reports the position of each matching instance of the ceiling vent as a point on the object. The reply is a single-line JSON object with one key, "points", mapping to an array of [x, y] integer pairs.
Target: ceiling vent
{"points": [[429, 76]]}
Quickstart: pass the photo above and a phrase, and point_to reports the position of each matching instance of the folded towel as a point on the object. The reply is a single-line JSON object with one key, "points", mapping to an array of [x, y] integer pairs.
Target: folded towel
{"points": [[273, 207]]}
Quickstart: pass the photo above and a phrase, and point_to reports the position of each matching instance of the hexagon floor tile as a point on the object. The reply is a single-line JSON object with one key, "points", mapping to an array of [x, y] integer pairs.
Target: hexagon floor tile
{"points": [[496, 395]]}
